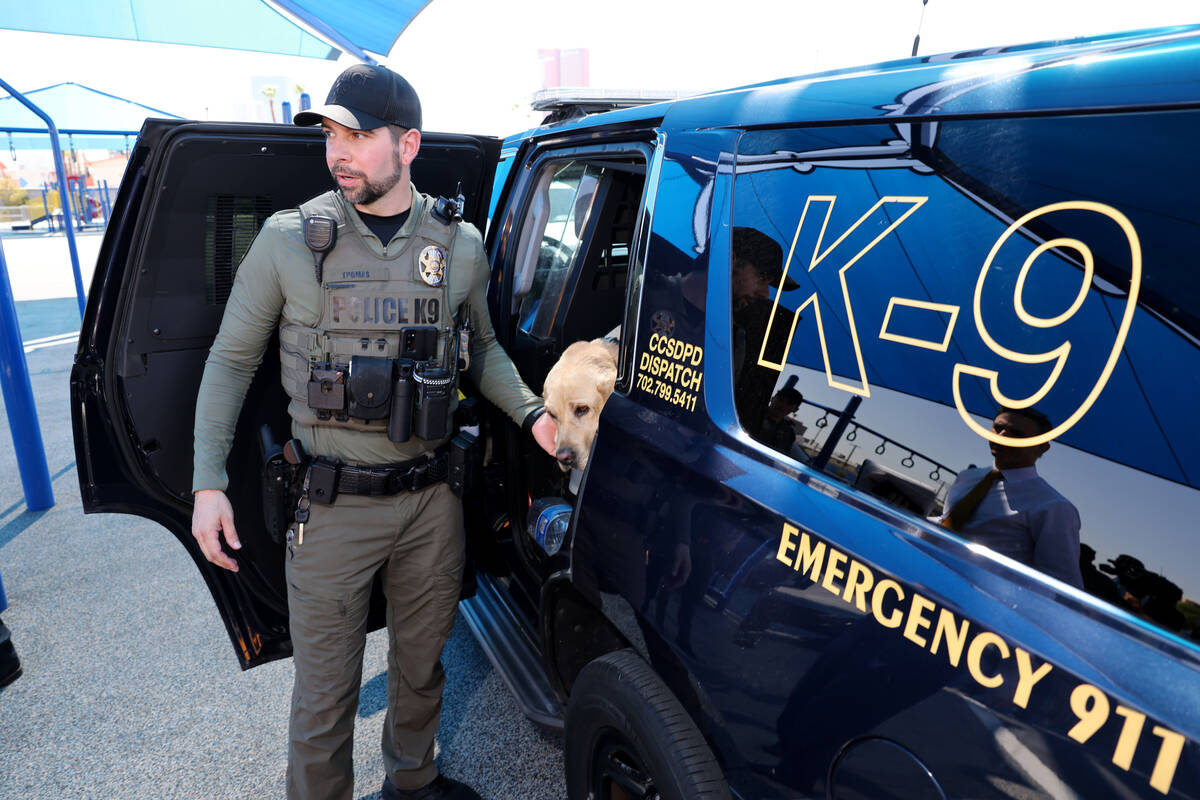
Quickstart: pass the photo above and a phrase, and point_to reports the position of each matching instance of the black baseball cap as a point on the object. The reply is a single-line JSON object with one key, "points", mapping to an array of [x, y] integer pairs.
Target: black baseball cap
{"points": [[365, 97]]}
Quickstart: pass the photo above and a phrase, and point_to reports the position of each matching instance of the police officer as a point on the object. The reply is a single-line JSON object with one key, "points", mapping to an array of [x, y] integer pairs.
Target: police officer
{"points": [[356, 279]]}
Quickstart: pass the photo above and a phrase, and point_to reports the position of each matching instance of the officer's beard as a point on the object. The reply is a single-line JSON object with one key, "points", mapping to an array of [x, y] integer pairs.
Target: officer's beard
{"points": [[369, 191]]}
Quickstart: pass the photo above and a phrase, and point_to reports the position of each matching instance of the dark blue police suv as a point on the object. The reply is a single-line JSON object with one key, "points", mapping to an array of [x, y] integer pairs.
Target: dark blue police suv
{"points": [[897, 493]]}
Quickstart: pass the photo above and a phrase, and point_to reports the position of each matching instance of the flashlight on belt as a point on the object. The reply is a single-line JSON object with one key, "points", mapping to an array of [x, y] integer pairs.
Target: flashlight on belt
{"points": [[401, 416]]}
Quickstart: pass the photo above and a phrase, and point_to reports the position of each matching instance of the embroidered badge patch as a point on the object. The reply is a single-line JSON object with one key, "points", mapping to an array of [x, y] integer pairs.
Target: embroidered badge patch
{"points": [[432, 264]]}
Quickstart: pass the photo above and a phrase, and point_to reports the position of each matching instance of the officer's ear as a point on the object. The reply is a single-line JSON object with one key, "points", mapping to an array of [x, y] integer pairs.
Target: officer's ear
{"points": [[409, 144]]}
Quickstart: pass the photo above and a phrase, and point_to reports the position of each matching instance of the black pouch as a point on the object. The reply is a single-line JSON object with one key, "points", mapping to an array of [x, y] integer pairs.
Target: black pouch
{"points": [[327, 391], [464, 464], [282, 479], [369, 387], [274, 485], [322, 481]]}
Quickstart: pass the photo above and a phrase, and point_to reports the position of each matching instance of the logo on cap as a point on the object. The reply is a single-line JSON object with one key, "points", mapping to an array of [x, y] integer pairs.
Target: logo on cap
{"points": [[433, 265]]}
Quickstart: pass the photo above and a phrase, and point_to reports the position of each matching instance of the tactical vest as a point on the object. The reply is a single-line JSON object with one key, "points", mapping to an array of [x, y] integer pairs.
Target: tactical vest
{"points": [[373, 310]]}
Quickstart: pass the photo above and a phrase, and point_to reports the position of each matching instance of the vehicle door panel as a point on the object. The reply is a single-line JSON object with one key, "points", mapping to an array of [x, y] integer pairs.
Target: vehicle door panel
{"points": [[570, 215], [881, 353], [789, 669], [162, 289]]}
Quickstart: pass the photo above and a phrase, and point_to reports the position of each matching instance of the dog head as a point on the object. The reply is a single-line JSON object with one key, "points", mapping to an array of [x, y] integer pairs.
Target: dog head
{"points": [[575, 390]]}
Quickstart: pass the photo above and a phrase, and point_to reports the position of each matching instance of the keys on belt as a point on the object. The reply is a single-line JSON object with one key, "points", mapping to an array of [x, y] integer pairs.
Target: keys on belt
{"points": [[327, 479]]}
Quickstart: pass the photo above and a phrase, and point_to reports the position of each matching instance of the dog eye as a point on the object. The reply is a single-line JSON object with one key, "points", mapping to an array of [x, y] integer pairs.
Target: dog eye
{"points": [[581, 411]]}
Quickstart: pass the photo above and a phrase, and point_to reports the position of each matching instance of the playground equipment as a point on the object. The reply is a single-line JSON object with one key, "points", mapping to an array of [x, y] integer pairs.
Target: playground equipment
{"points": [[92, 204], [18, 392], [64, 199]]}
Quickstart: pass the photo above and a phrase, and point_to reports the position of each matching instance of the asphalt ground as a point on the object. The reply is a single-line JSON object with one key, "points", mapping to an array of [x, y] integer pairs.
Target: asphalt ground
{"points": [[131, 687]]}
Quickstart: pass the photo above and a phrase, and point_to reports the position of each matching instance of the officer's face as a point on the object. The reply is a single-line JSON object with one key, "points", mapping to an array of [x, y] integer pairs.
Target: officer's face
{"points": [[1015, 426], [781, 407], [366, 165], [748, 282]]}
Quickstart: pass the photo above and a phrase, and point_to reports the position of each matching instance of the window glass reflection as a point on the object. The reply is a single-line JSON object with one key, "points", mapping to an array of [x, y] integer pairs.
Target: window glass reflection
{"points": [[983, 332], [558, 217]]}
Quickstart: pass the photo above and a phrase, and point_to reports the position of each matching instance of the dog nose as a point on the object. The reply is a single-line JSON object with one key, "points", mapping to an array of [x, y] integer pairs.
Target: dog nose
{"points": [[566, 456]]}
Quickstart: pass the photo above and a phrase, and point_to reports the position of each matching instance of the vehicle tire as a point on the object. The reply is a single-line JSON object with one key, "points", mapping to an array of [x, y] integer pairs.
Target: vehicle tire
{"points": [[628, 737]]}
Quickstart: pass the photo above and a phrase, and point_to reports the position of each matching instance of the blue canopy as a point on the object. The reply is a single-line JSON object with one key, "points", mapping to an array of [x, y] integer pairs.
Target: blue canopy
{"points": [[311, 28], [85, 118]]}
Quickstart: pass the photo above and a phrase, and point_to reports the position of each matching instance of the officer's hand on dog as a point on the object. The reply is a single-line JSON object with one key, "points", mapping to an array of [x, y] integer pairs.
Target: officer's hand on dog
{"points": [[212, 515], [545, 431]]}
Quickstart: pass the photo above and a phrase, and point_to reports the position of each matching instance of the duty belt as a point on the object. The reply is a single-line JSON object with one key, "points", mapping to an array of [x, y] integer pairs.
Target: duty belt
{"points": [[409, 476]]}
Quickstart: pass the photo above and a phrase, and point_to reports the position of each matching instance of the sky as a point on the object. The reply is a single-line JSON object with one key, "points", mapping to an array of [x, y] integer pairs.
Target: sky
{"points": [[476, 64]]}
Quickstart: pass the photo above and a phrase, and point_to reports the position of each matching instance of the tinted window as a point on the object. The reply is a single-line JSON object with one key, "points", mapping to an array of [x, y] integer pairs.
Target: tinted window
{"points": [[573, 256], [558, 211], [942, 271]]}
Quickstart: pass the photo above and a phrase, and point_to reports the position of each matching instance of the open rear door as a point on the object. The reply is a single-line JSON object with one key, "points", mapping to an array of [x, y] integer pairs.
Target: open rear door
{"points": [[193, 197]]}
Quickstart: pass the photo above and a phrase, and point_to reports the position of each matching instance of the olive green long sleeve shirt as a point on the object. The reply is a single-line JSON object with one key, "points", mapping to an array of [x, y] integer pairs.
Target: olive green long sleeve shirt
{"points": [[274, 282]]}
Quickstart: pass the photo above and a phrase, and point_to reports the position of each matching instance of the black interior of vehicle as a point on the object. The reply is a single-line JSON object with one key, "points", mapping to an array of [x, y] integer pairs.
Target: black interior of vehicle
{"points": [[596, 293], [591, 301], [213, 194], [588, 304], [210, 197]]}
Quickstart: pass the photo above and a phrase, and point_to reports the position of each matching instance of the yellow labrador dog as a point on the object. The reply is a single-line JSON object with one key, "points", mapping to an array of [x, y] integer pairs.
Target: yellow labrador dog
{"points": [[576, 388]]}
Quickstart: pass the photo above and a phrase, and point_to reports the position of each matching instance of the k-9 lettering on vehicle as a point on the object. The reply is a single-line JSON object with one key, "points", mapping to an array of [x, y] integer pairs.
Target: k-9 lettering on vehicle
{"points": [[896, 494]]}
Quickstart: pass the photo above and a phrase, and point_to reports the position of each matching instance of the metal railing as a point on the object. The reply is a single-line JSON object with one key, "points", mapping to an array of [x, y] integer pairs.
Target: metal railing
{"points": [[844, 418], [14, 214]]}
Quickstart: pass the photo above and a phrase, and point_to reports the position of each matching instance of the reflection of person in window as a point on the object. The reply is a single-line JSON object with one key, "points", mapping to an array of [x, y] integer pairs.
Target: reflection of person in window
{"points": [[1011, 509], [757, 267], [777, 431]]}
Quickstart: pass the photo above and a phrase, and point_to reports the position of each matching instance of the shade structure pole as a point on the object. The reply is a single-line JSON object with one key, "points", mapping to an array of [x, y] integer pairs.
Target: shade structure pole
{"points": [[19, 404], [64, 195]]}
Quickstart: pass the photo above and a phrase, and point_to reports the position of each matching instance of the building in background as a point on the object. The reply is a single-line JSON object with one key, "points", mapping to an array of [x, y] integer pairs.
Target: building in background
{"points": [[564, 67]]}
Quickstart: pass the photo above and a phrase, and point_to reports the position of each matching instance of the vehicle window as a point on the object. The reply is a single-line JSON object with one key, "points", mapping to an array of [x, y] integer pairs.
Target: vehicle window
{"points": [[573, 255], [559, 212], [571, 268], [893, 288]]}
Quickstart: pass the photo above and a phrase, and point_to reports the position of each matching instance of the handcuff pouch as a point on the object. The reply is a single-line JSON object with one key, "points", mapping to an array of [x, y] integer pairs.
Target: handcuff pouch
{"points": [[370, 387]]}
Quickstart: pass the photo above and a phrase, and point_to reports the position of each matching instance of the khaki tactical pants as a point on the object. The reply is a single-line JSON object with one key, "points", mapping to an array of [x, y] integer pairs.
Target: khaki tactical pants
{"points": [[416, 540]]}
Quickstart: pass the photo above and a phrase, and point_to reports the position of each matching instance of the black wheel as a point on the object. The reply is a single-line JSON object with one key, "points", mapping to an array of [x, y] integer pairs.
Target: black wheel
{"points": [[628, 738]]}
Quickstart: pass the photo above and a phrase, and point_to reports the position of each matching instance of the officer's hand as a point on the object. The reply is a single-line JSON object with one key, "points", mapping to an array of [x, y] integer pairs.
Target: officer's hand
{"points": [[211, 516], [544, 431]]}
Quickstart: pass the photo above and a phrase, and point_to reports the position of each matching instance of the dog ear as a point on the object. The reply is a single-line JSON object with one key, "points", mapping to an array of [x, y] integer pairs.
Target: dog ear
{"points": [[610, 347], [607, 382]]}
